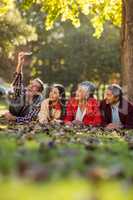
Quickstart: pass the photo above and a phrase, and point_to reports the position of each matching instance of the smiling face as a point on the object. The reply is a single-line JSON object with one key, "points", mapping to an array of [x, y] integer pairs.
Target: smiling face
{"points": [[54, 94], [33, 88], [81, 93], [110, 98]]}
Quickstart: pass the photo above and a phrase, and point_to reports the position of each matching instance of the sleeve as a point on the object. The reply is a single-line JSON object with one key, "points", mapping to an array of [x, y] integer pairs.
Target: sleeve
{"points": [[69, 112], [32, 115], [129, 121], [17, 84], [94, 113], [43, 115], [97, 114], [16, 96]]}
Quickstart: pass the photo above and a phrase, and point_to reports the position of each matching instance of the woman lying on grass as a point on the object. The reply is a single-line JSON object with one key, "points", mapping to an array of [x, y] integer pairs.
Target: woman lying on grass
{"points": [[83, 108], [53, 108]]}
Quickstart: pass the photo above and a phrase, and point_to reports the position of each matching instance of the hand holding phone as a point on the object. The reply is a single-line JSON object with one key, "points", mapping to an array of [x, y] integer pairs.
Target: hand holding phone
{"points": [[22, 55]]}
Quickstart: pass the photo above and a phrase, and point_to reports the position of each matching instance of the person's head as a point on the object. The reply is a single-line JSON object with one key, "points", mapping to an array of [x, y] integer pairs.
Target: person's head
{"points": [[85, 90], [35, 87], [113, 94], [57, 92]]}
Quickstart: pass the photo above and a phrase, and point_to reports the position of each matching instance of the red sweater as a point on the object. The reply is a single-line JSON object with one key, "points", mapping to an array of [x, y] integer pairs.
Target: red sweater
{"points": [[92, 116]]}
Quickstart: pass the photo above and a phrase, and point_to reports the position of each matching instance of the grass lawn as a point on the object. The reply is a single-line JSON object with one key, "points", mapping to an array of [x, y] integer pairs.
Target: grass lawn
{"points": [[65, 163], [3, 107]]}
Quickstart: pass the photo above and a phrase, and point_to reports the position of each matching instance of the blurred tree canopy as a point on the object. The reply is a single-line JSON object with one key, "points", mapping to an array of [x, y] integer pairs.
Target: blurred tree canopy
{"points": [[68, 55], [14, 32], [98, 11], [64, 53]]}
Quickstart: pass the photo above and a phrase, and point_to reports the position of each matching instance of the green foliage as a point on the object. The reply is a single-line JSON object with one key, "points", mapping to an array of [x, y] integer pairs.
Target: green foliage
{"points": [[63, 54], [5, 6], [68, 55], [100, 11], [14, 32]]}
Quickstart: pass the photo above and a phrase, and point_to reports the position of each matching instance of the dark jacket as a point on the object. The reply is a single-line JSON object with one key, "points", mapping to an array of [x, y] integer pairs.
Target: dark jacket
{"points": [[125, 113]]}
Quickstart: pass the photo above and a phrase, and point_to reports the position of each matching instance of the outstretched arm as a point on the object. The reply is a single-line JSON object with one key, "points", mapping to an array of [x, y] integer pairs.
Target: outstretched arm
{"points": [[21, 59], [17, 95], [18, 73]]}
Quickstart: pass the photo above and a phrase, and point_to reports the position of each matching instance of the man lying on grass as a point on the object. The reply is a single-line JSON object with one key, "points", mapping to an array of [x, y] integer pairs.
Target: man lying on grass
{"points": [[24, 103], [117, 111]]}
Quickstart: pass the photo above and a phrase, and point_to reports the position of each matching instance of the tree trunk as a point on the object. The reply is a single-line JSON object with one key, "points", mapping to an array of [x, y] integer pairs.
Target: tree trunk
{"points": [[127, 47]]}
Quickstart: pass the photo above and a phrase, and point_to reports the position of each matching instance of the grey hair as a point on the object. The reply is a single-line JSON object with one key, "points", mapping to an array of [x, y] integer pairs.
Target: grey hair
{"points": [[89, 87], [115, 89], [41, 84]]}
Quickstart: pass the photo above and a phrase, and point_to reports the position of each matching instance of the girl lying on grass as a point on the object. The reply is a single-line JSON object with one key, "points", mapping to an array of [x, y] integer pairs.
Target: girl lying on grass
{"points": [[53, 108]]}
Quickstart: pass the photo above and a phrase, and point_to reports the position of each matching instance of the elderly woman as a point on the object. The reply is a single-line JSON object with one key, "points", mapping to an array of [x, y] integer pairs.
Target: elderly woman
{"points": [[83, 108], [53, 108]]}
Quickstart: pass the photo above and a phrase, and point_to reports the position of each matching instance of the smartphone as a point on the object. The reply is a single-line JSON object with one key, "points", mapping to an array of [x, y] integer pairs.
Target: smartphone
{"points": [[27, 53]]}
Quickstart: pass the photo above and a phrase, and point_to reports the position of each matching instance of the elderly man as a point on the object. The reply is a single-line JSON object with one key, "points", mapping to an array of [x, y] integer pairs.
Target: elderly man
{"points": [[117, 112], [24, 103]]}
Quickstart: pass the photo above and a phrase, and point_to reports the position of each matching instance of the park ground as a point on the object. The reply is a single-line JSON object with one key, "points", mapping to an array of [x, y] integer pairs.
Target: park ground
{"points": [[64, 162]]}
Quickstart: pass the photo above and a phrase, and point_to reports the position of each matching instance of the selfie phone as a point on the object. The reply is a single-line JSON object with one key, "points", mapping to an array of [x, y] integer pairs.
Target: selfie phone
{"points": [[28, 53]]}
